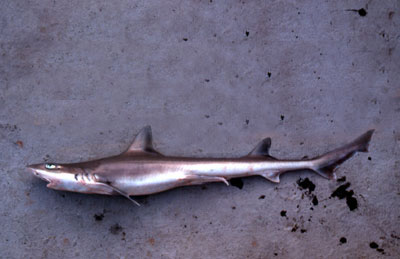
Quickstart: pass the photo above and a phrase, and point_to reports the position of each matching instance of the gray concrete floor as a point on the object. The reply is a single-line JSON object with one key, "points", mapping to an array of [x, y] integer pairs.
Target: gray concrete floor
{"points": [[78, 79]]}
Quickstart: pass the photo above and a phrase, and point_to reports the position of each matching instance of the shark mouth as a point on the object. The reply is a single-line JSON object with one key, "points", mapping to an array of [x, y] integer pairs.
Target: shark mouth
{"points": [[52, 184]]}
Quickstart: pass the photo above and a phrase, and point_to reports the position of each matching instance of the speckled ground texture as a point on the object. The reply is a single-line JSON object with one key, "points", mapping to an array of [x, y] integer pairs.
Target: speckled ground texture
{"points": [[78, 79]]}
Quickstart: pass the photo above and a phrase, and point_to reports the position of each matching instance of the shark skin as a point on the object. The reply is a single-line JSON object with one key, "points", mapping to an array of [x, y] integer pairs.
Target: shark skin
{"points": [[141, 170]]}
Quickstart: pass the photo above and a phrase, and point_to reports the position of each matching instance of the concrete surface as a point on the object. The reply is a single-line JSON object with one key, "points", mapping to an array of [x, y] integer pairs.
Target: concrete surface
{"points": [[78, 79]]}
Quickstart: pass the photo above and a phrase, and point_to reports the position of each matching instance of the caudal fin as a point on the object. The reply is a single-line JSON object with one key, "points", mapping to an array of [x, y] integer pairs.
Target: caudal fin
{"points": [[326, 164]]}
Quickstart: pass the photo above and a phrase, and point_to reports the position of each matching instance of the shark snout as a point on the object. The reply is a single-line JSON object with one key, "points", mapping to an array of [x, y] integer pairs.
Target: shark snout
{"points": [[32, 169], [37, 170]]}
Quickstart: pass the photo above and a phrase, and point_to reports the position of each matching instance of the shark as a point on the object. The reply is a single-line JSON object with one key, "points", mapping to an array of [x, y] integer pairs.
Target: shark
{"points": [[142, 170]]}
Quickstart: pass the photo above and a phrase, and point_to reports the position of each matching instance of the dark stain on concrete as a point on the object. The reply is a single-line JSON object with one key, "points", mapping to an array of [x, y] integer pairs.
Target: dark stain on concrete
{"points": [[315, 200], [306, 184], [341, 192], [362, 12], [237, 182]]}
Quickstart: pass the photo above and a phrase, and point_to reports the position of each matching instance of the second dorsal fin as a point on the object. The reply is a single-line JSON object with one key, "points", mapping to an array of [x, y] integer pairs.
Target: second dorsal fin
{"points": [[143, 142]]}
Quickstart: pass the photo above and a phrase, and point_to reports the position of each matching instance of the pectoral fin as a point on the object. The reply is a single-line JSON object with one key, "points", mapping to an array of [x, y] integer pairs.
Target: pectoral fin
{"points": [[120, 192], [199, 179]]}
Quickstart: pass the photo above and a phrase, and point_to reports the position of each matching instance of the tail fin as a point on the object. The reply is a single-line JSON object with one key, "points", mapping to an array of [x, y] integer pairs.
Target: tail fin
{"points": [[326, 164]]}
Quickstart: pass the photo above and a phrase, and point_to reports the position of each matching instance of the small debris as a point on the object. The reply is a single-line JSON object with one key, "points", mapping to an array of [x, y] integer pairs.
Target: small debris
{"points": [[115, 229], [373, 245], [151, 241], [98, 217], [20, 143], [343, 240], [362, 12], [283, 213], [294, 229]]}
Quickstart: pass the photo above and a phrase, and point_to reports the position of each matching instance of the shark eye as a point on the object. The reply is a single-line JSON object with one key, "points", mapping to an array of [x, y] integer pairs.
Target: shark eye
{"points": [[50, 166]]}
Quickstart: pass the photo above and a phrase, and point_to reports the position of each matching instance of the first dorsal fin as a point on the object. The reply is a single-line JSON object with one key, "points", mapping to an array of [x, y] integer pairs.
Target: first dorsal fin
{"points": [[143, 142], [262, 148]]}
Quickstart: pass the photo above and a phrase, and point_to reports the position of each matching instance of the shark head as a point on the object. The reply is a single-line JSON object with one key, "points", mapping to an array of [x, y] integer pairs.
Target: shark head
{"points": [[74, 178], [58, 176], [69, 177]]}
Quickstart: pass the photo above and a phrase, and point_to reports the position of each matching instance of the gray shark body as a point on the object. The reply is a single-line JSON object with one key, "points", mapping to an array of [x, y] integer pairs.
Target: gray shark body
{"points": [[141, 170]]}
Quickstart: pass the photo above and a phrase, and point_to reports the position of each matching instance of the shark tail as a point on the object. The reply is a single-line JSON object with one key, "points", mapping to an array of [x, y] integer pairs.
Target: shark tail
{"points": [[326, 164]]}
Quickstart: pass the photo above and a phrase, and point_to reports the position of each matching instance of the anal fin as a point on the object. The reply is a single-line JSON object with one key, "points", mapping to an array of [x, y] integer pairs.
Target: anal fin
{"points": [[273, 176]]}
